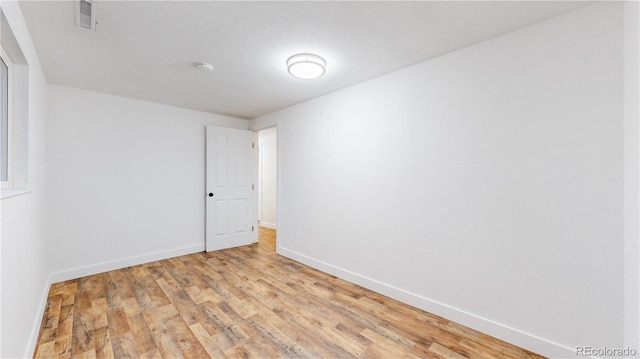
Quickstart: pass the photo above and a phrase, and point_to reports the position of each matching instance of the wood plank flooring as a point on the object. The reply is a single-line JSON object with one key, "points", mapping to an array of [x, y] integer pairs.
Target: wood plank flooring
{"points": [[267, 238], [245, 302]]}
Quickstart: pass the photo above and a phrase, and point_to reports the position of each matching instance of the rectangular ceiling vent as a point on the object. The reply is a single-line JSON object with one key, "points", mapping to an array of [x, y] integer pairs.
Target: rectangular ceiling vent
{"points": [[86, 14]]}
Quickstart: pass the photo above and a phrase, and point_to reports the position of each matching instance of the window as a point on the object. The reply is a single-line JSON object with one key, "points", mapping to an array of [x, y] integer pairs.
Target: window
{"points": [[5, 127], [14, 115]]}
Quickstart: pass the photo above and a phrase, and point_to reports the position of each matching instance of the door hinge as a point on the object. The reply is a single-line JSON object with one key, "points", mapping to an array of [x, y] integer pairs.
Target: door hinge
{"points": [[253, 145], [251, 228], [253, 187]]}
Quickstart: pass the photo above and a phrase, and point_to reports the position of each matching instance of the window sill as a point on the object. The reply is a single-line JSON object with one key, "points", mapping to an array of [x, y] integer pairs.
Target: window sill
{"points": [[8, 193]]}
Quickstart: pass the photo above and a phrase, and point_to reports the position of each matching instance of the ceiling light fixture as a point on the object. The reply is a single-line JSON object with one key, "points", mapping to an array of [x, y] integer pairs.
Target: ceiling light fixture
{"points": [[203, 66], [306, 66]]}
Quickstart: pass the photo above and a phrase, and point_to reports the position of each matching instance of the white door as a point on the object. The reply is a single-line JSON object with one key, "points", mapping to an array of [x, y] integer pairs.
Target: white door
{"points": [[231, 215]]}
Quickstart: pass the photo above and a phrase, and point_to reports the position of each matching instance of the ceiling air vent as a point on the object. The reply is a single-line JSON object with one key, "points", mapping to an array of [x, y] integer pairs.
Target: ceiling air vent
{"points": [[86, 14]]}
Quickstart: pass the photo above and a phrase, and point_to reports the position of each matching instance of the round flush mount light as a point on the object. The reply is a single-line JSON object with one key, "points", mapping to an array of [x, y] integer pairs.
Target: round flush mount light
{"points": [[306, 66], [203, 66]]}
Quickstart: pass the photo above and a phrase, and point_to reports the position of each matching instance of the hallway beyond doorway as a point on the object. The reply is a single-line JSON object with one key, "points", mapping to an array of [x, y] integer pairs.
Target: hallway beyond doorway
{"points": [[267, 238]]}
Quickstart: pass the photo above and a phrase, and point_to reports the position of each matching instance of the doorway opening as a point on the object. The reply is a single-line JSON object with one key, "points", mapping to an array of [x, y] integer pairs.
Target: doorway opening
{"points": [[267, 189]]}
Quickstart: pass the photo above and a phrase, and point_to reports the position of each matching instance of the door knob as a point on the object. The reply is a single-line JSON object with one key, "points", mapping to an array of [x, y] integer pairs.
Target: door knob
{"points": [[210, 194]]}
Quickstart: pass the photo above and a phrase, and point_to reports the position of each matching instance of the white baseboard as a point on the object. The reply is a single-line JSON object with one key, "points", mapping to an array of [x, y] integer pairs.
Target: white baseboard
{"points": [[484, 325], [35, 330], [267, 225], [122, 263]]}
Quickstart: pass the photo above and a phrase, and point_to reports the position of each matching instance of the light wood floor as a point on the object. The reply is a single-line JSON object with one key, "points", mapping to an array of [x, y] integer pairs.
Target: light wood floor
{"points": [[267, 239], [245, 302]]}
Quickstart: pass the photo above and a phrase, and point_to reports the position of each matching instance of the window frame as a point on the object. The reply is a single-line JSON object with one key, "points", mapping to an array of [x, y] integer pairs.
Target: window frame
{"points": [[7, 61]]}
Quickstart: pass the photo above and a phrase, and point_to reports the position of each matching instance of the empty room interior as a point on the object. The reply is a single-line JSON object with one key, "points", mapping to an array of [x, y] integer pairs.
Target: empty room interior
{"points": [[351, 179]]}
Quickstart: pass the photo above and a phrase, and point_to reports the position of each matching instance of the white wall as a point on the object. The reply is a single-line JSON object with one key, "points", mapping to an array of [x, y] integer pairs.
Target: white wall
{"points": [[485, 185], [267, 191], [631, 173], [126, 180], [23, 234]]}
